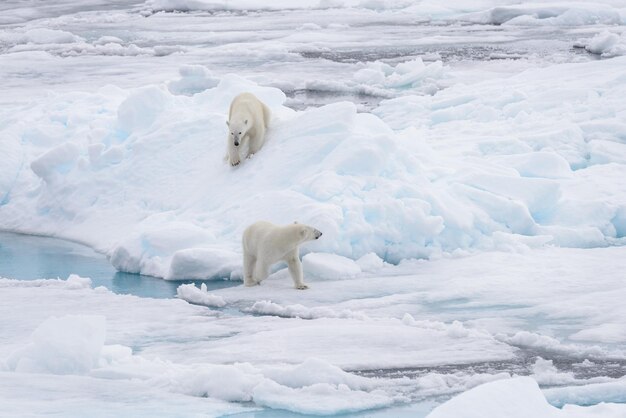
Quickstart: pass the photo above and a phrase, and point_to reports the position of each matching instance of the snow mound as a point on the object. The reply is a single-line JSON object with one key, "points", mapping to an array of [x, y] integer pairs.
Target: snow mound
{"points": [[201, 296], [512, 398], [66, 345]]}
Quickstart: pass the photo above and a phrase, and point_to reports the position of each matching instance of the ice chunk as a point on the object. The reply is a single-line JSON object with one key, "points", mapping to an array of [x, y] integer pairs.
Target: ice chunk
{"points": [[605, 43], [329, 266], [370, 262], [194, 79], [545, 373], [74, 281], [58, 160], [201, 296], [203, 263]]}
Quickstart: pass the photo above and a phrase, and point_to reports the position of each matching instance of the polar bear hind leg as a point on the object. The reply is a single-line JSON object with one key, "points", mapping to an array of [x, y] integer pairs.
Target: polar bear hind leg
{"points": [[261, 271], [249, 262]]}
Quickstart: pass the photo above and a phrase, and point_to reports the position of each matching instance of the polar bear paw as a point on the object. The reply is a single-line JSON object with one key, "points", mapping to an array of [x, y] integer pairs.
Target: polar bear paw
{"points": [[302, 286]]}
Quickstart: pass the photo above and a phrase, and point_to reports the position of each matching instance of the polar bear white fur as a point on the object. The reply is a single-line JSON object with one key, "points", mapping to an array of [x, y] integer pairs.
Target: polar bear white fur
{"points": [[265, 244], [248, 119]]}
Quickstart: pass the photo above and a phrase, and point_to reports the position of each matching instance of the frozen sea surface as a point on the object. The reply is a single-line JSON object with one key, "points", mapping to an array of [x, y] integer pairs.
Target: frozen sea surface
{"points": [[465, 163]]}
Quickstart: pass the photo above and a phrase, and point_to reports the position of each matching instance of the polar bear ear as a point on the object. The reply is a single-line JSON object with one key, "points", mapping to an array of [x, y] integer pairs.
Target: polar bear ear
{"points": [[227, 124], [295, 222], [245, 122]]}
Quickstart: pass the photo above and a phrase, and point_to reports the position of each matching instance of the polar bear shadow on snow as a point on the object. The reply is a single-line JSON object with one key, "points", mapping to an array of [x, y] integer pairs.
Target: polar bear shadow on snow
{"points": [[248, 119], [265, 244]]}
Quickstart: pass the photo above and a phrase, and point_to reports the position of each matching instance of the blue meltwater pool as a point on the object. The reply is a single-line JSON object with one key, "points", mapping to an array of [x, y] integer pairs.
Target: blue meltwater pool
{"points": [[27, 257]]}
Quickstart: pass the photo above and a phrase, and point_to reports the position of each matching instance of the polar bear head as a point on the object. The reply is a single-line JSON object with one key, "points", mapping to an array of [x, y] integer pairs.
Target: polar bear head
{"points": [[237, 130], [306, 232]]}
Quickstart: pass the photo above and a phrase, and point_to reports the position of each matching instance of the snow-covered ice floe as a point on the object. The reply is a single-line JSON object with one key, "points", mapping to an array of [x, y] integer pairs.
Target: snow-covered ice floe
{"points": [[510, 163]]}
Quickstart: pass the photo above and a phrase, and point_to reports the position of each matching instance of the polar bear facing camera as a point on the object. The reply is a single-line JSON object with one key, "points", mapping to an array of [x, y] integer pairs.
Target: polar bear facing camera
{"points": [[265, 244], [248, 119]]}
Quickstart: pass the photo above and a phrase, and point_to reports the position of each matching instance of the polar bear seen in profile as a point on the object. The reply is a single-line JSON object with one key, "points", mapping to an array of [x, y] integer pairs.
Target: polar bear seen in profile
{"points": [[265, 244], [248, 119]]}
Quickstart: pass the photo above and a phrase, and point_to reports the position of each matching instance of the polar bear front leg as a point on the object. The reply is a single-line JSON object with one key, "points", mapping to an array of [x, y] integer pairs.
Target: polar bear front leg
{"points": [[256, 139], [233, 154], [295, 269]]}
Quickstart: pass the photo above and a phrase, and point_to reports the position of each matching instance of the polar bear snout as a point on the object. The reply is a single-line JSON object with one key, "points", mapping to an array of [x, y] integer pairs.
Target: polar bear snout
{"points": [[236, 142], [318, 234]]}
